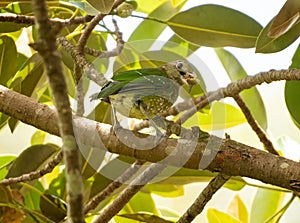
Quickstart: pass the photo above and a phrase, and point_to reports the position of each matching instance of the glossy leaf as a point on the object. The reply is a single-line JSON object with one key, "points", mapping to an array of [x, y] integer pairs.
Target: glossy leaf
{"points": [[8, 59], [251, 96], [219, 116], [285, 19], [216, 216], [144, 217], [25, 163], [292, 92], [238, 209], [103, 6], [152, 29], [266, 203], [265, 44], [215, 26]]}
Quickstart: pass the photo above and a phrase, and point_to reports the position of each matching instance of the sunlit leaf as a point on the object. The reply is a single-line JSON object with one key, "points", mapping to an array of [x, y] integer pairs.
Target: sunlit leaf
{"points": [[103, 6], [38, 137], [180, 46], [32, 197], [215, 26], [8, 59], [5, 161], [265, 44], [238, 209], [165, 190], [251, 96], [86, 7], [285, 19], [152, 29], [184, 176], [216, 216], [266, 203], [143, 217], [219, 116]]}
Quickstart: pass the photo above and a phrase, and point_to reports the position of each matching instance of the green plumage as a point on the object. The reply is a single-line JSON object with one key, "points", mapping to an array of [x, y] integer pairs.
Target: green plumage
{"points": [[146, 93]]}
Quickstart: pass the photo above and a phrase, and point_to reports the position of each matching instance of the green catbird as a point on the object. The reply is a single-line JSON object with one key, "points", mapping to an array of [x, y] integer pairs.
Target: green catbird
{"points": [[146, 93]]}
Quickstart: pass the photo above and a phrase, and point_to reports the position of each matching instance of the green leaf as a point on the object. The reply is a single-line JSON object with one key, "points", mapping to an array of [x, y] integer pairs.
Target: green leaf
{"points": [[266, 203], [5, 161], [143, 217], [38, 137], [8, 59], [266, 44], [238, 209], [32, 159], [86, 7], [92, 160], [8, 27], [140, 202], [32, 196], [165, 190], [53, 207], [30, 78], [251, 96], [285, 19], [179, 46], [109, 172], [148, 6], [215, 26], [103, 6], [216, 216], [292, 92], [152, 29], [186, 176], [219, 116]]}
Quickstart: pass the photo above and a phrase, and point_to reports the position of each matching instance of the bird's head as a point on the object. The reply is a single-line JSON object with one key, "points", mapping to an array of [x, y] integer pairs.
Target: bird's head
{"points": [[181, 72]]}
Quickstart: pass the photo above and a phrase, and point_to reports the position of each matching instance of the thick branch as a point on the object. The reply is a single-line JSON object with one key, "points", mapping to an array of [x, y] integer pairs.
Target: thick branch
{"points": [[232, 158]]}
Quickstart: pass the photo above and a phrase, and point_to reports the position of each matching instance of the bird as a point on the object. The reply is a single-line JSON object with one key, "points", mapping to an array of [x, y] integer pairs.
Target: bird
{"points": [[148, 92]]}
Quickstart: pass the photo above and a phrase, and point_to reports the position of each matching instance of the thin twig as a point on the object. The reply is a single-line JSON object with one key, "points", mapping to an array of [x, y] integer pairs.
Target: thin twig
{"points": [[112, 53], [255, 127], [233, 89], [197, 207], [29, 20], [35, 174], [88, 30], [111, 210], [80, 60], [92, 204]]}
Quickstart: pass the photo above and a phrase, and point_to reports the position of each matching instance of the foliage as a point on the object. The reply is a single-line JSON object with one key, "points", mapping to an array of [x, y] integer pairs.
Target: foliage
{"points": [[209, 25]]}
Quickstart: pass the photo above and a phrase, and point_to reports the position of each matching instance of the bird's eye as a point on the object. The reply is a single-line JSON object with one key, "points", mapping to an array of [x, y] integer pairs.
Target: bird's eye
{"points": [[179, 65]]}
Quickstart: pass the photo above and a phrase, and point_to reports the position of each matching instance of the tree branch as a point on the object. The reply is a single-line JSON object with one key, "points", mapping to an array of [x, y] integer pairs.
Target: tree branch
{"points": [[46, 46], [232, 158], [197, 207]]}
